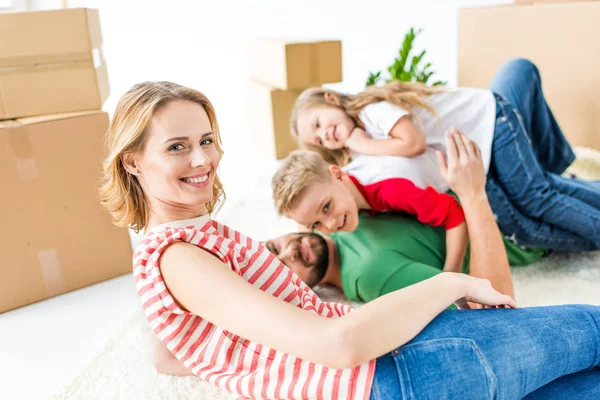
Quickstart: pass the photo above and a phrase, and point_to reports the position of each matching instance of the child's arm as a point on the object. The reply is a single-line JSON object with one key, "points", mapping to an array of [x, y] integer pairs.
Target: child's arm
{"points": [[429, 206], [456, 247], [406, 141]]}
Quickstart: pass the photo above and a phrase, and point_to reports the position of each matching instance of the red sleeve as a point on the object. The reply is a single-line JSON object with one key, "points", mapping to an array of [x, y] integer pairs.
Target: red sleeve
{"points": [[398, 194]]}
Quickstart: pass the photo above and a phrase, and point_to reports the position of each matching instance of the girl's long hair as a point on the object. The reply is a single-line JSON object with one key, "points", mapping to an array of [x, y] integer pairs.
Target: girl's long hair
{"points": [[406, 95]]}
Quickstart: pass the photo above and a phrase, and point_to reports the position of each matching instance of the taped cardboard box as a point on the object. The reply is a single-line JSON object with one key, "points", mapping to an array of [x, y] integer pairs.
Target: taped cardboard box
{"points": [[51, 62], [561, 39], [549, 1], [269, 112], [55, 236], [294, 63]]}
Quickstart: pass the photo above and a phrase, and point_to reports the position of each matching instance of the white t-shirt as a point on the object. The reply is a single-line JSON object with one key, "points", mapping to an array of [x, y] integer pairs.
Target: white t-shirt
{"points": [[472, 111], [422, 170]]}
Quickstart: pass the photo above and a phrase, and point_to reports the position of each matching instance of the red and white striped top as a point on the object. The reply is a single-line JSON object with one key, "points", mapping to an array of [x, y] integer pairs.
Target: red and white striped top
{"points": [[242, 367]]}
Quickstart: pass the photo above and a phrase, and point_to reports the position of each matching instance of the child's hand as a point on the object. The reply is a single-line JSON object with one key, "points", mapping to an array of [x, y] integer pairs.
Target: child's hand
{"points": [[357, 138]]}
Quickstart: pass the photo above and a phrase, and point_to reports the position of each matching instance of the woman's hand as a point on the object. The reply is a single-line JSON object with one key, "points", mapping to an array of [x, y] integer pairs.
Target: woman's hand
{"points": [[480, 292], [464, 171]]}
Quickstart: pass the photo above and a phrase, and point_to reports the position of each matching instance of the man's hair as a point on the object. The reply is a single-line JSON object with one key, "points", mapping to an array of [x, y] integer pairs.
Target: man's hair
{"points": [[299, 169]]}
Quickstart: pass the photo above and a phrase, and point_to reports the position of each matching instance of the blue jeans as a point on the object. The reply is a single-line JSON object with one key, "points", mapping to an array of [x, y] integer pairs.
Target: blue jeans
{"points": [[539, 352], [533, 204]]}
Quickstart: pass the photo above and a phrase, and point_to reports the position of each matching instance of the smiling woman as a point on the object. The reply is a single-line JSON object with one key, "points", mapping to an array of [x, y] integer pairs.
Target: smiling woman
{"points": [[177, 163], [223, 308]]}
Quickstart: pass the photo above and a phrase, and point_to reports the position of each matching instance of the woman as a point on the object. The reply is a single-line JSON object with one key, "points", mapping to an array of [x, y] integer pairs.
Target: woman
{"points": [[239, 319]]}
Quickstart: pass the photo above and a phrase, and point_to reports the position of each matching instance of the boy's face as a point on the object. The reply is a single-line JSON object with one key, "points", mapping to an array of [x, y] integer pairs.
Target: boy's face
{"points": [[326, 206]]}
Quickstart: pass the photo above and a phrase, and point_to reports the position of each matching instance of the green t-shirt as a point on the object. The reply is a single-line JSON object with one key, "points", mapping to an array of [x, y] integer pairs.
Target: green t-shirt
{"points": [[390, 251]]}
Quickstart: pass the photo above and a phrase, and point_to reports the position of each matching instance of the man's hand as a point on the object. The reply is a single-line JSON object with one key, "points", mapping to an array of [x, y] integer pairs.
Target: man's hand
{"points": [[465, 175], [464, 171]]}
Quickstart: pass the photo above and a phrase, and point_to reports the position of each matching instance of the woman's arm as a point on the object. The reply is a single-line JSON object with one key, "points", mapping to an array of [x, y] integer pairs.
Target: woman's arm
{"points": [[205, 286]]}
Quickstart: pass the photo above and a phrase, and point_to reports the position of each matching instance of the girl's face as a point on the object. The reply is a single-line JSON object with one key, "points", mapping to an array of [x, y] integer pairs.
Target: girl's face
{"points": [[177, 165], [324, 126]]}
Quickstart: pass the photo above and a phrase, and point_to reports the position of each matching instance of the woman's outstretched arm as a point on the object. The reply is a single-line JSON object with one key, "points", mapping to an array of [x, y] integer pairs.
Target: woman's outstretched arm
{"points": [[204, 285]]}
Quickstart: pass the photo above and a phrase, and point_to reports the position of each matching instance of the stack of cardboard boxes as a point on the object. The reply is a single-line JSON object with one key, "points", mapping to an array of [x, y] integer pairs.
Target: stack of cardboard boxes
{"points": [[280, 69], [55, 235], [559, 36]]}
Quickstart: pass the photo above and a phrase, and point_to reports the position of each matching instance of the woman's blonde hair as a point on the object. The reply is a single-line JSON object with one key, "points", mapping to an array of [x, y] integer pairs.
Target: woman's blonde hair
{"points": [[406, 95], [120, 192]]}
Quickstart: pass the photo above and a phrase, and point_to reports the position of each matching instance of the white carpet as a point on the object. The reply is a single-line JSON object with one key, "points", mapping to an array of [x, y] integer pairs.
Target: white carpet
{"points": [[123, 369]]}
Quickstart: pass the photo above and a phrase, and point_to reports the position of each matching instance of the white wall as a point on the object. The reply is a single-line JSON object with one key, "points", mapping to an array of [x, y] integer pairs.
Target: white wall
{"points": [[203, 44]]}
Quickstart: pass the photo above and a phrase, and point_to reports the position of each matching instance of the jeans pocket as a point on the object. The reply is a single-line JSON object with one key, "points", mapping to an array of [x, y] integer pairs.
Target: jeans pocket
{"points": [[452, 368]]}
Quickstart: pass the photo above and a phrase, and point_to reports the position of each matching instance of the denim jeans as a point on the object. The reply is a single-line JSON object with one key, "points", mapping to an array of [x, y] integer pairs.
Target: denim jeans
{"points": [[539, 352], [533, 204]]}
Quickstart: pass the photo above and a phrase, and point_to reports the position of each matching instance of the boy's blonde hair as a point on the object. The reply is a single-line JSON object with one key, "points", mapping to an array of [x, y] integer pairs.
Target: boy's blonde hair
{"points": [[299, 169], [120, 192], [406, 95]]}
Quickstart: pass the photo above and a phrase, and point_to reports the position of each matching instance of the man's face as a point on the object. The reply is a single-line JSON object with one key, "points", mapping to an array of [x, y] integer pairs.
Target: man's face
{"points": [[304, 253]]}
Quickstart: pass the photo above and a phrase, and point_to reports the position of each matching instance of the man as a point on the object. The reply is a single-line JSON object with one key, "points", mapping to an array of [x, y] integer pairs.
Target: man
{"points": [[385, 253]]}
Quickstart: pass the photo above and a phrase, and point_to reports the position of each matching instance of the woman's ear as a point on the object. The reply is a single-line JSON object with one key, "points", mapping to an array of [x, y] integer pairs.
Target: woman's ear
{"points": [[336, 172], [332, 98], [130, 164]]}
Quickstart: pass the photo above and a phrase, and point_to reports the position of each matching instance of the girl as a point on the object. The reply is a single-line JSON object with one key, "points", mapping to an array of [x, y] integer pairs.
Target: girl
{"points": [[523, 149], [233, 315]]}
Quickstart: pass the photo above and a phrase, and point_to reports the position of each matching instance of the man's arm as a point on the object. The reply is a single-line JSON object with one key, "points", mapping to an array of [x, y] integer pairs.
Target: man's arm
{"points": [[465, 175]]}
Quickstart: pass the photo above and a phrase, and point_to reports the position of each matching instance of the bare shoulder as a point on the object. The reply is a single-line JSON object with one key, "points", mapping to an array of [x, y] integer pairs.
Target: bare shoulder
{"points": [[183, 262], [184, 252]]}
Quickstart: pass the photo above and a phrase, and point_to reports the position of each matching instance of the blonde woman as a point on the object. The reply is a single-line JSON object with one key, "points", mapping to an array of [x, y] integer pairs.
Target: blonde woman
{"points": [[230, 313], [394, 131]]}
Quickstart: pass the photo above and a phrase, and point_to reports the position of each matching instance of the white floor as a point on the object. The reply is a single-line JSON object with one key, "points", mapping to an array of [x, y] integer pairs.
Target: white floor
{"points": [[43, 345]]}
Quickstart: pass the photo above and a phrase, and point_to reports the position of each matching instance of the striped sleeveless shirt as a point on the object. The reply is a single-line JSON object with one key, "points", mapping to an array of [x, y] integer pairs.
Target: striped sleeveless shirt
{"points": [[244, 368]]}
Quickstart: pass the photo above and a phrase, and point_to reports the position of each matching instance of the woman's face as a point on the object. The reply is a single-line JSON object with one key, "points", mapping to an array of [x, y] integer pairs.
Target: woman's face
{"points": [[177, 165]]}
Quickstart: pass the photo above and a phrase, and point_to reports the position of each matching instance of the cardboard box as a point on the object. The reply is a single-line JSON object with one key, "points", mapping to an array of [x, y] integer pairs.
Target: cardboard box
{"points": [[51, 62], [56, 237], [548, 1], [295, 64], [561, 39], [269, 112]]}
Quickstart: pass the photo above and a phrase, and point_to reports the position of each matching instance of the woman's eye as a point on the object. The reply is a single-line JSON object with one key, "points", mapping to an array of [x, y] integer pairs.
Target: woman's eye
{"points": [[206, 142], [176, 147], [326, 207]]}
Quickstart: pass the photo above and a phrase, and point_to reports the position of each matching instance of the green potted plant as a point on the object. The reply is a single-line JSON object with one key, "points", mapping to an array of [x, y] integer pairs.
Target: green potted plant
{"points": [[404, 68]]}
